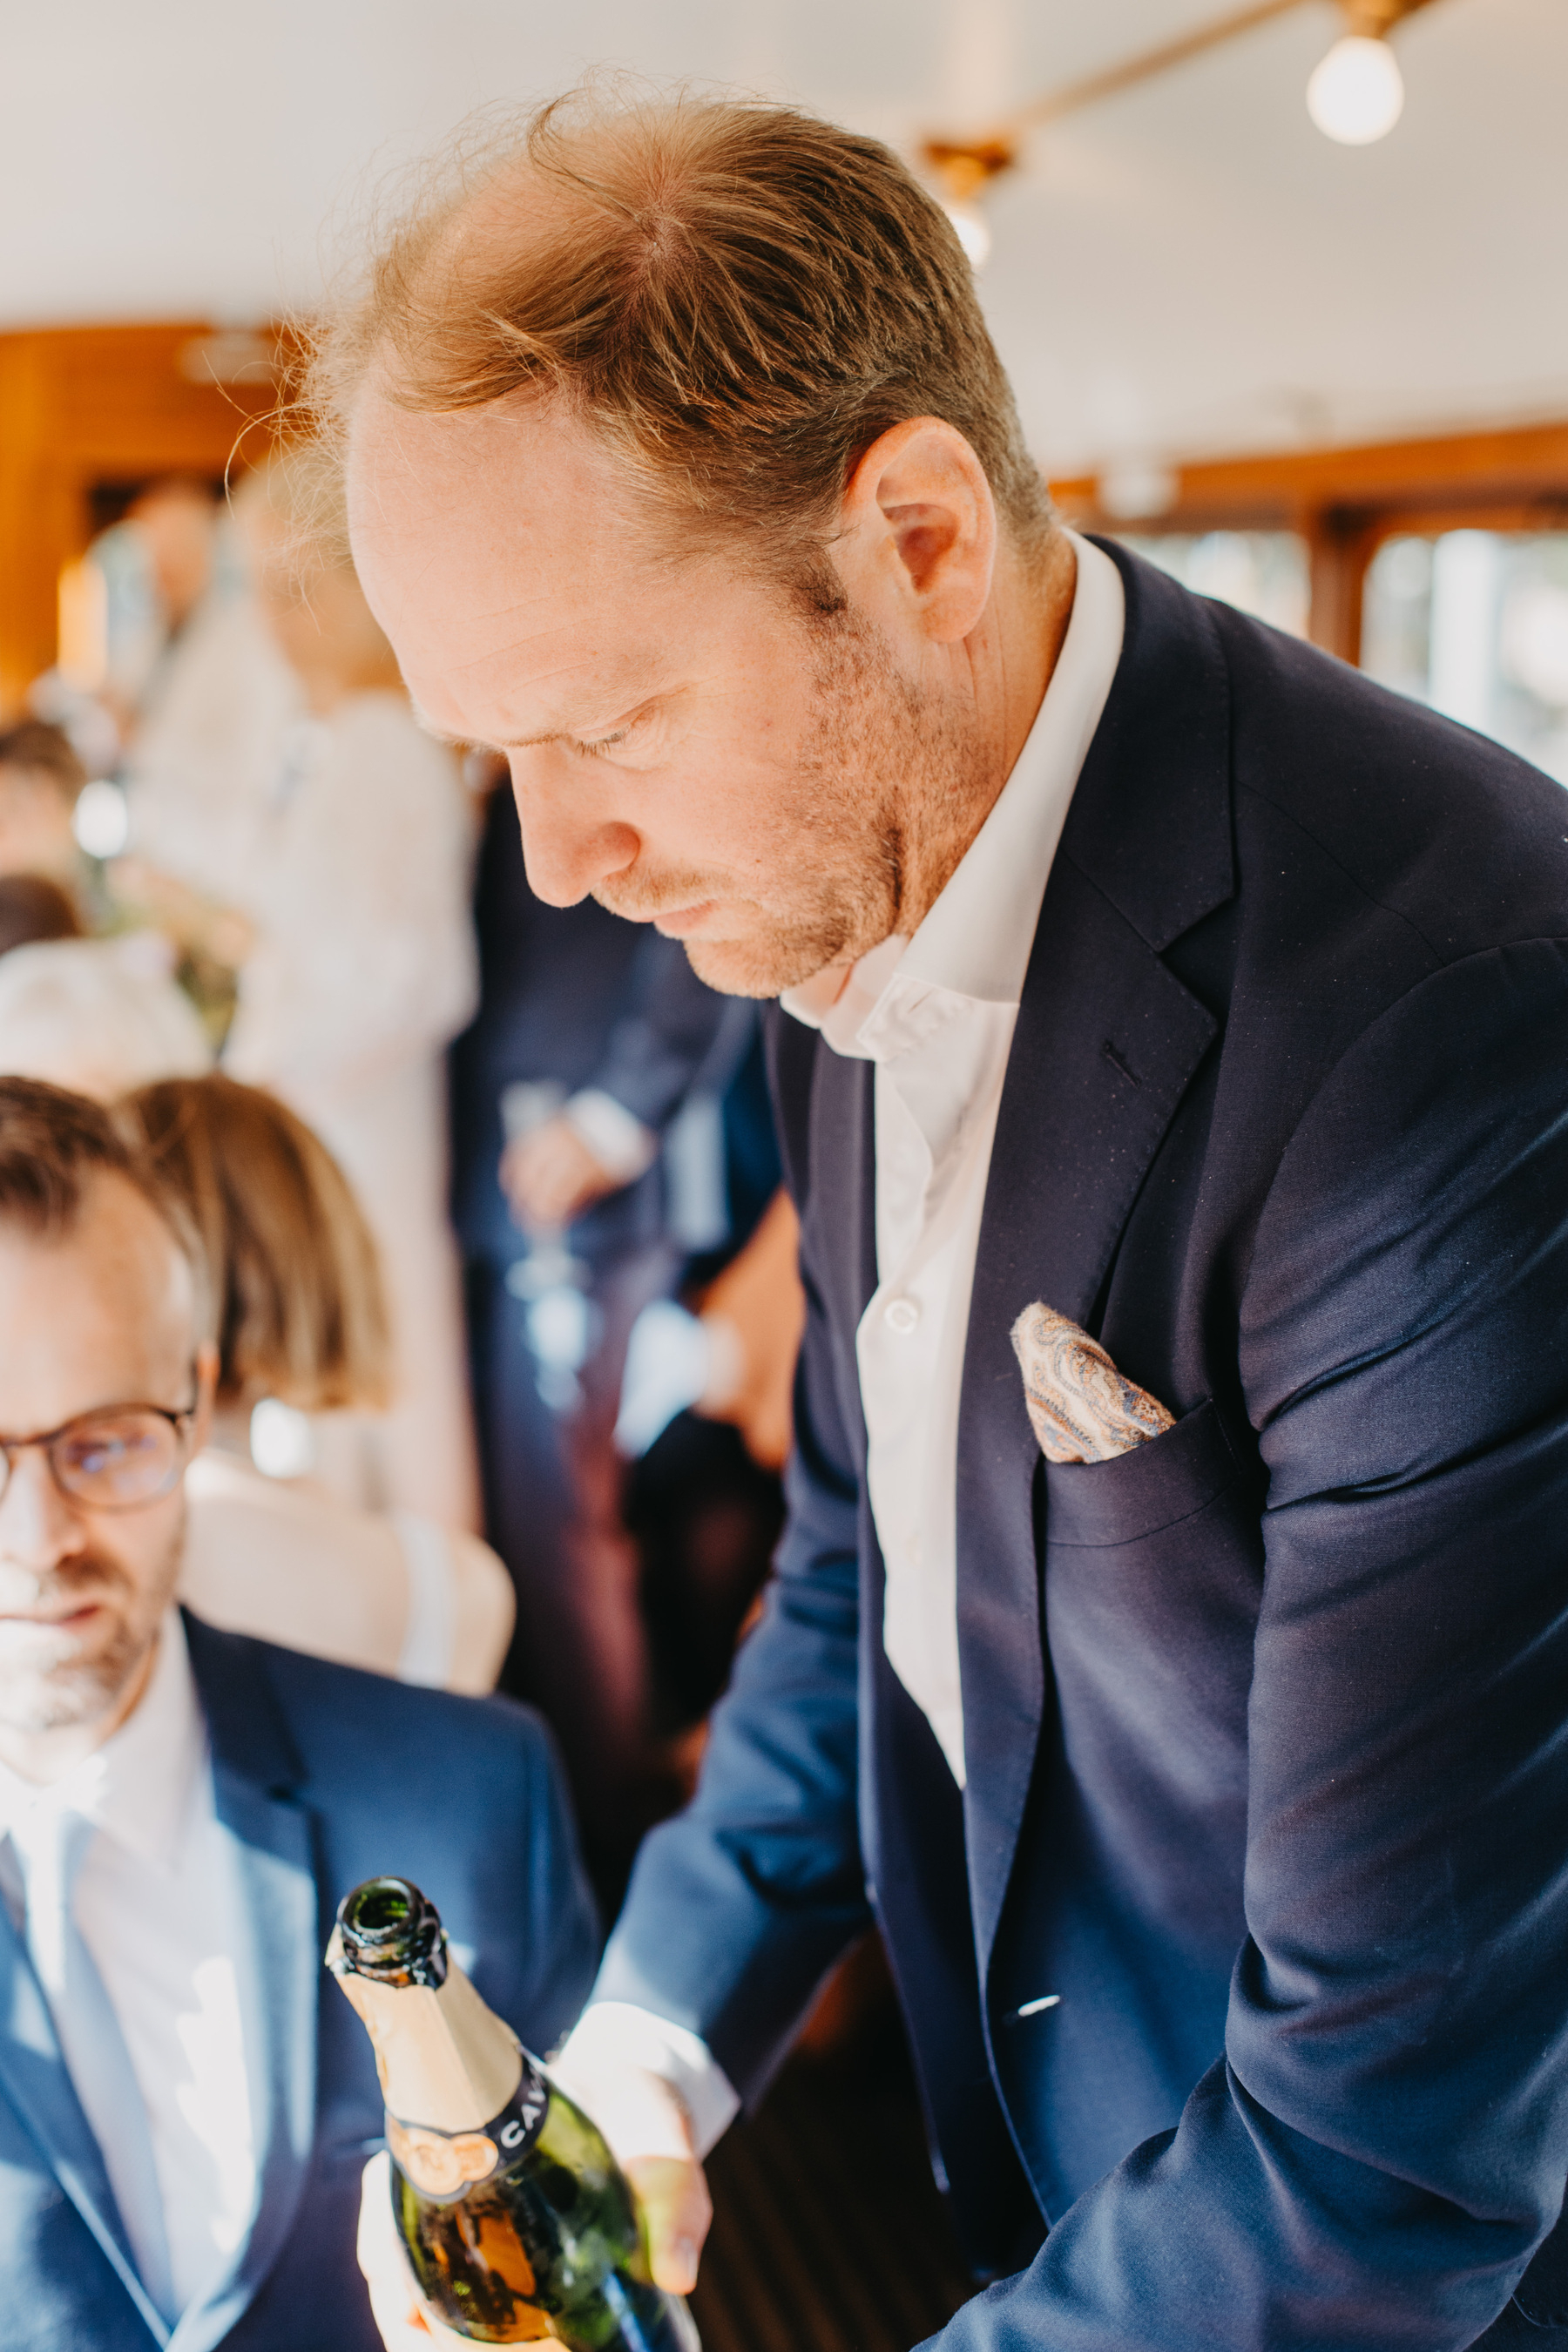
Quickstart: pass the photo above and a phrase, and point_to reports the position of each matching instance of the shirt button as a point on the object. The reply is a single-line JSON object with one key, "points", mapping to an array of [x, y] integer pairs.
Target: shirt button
{"points": [[901, 1315]]}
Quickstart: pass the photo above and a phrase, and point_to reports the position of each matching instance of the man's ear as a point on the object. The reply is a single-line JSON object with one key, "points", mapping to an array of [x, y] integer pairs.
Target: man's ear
{"points": [[920, 527]]}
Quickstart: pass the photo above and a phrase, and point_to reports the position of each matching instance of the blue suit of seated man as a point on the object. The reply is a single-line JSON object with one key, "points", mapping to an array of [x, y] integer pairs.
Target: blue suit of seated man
{"points": [[186, 2103]]}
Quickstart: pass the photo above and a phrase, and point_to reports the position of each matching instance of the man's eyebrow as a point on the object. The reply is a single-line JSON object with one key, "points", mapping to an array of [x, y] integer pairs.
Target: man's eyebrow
{"points": [[473, 742], [518, 743]]}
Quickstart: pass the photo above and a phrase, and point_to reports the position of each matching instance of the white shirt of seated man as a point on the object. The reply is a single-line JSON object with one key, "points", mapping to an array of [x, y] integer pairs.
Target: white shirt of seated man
{"points": [[103, 1746]]}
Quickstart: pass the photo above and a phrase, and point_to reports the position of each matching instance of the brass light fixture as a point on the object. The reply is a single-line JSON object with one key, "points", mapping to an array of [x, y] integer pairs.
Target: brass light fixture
{"points": [[1356, 95]]}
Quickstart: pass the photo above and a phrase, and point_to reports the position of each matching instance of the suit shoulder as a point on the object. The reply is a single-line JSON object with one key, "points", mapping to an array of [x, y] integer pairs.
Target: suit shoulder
{"points": [[1458, 837], [349, 1725]]}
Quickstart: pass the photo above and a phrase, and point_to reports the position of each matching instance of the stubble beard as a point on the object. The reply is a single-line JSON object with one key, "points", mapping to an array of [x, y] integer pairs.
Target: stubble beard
{"points": [[35, 1697], [874, 784]]}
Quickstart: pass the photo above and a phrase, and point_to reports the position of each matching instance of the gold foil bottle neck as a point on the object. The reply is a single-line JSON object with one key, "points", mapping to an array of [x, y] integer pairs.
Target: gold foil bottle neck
{"points": [[446, 2061]]}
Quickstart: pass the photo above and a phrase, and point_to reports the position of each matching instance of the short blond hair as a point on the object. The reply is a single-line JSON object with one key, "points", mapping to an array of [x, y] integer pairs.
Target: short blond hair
{"points": [[742, 297], [300, 1310]]}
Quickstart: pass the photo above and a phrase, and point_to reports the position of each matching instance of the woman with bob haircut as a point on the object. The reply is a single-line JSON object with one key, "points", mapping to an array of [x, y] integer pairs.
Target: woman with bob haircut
{"points": [[300, 1318]]}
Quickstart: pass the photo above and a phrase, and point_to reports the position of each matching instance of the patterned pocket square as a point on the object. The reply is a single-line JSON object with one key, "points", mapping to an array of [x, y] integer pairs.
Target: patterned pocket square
{"points": [[1081, 1407]]}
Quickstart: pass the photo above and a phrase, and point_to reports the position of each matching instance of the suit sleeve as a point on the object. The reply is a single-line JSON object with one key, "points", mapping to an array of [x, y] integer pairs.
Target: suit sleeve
{"points": [[667, 1024], [739, 1907], [549, 1939], [1384, 2142]]}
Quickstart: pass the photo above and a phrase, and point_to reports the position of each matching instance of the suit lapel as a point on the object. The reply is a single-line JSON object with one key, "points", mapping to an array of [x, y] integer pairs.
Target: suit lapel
{"points": [[840, 1211], [256, 1778], [1107, 1042], [34, 2077]]}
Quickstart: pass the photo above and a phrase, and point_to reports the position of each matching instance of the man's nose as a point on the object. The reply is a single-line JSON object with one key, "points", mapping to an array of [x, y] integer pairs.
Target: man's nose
{"points": [[570, 840], [38, 1527]]}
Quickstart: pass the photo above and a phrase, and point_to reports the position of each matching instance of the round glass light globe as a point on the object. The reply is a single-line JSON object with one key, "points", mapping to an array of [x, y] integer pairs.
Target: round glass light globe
{"points": [[1356, 94]]}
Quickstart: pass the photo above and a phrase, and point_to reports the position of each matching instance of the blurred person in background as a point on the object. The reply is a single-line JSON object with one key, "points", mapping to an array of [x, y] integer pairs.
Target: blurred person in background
{"points": [[99, 1016], [177, 519], [588, 1040], [302, 1324], [704, 1423], [41, 778], [32, 908], [358, 965], [205, 700], [704, 1498]]}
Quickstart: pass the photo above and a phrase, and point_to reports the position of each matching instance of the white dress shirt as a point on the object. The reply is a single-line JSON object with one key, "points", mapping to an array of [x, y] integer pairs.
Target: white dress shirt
{"points": [[936, 1016], [161, 1909]]}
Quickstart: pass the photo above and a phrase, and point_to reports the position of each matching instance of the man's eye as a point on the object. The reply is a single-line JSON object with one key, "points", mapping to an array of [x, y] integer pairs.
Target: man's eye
{"points": [[605, 743]]}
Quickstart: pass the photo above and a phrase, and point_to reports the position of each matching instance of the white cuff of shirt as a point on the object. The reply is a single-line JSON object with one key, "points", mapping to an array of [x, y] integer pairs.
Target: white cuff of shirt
{"points": [[617, 2033], [621, 1144]]}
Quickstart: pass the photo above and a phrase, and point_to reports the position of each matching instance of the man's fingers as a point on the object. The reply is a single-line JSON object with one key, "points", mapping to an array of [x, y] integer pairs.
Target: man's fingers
{"points": [[676, 2210], [394, 2301], [646, 2126]]}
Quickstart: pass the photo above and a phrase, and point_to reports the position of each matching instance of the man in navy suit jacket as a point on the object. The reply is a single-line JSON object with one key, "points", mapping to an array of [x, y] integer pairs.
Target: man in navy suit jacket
{"points": [[186, 2102], [1143, 966]]}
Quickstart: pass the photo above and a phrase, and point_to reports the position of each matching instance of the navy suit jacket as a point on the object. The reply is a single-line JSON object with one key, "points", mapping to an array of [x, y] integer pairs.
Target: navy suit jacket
{"points": [[323, 1777], [1266, 1721]]}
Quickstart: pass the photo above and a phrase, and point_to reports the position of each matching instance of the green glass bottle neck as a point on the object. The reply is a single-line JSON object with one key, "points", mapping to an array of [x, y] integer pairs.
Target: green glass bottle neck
{"points": [[390, 1931]]}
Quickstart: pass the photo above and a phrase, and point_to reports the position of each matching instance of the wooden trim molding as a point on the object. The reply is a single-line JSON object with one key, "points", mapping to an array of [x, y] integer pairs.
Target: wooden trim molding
{"points": [[1346, 501], [83, 409]]}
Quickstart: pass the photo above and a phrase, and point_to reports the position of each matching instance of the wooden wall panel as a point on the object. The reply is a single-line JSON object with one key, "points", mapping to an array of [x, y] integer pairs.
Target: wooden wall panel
{"points": [[84, 407]]}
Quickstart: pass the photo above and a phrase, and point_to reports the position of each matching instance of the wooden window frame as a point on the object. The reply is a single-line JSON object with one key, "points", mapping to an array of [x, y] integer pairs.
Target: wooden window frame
{"points": [[1345, 502]]}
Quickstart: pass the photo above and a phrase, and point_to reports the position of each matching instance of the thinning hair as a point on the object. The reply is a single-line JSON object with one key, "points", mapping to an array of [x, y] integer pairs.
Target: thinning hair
{"points": [[54, 1147], [741, 297], [301, 1313]]}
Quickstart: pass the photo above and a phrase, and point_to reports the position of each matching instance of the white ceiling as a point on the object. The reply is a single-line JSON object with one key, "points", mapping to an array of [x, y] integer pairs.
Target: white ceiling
{"points": [[1189, 268]]}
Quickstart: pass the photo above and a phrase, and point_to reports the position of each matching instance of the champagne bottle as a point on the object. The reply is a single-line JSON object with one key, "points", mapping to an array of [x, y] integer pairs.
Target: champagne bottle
{"points": [[516, 2219]]}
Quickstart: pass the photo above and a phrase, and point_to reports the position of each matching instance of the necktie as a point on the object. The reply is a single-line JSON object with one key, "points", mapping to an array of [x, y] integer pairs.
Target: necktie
{"points": [[52, 1847]]}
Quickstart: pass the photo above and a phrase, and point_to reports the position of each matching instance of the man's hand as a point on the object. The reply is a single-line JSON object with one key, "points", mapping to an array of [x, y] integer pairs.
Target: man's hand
{"points": [[393, 2298], [647, 2127], [551, 1176]]}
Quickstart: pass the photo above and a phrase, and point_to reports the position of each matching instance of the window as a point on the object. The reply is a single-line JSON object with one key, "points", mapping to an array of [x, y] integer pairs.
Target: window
{"points": [[1476, 624], [1264, 573]]}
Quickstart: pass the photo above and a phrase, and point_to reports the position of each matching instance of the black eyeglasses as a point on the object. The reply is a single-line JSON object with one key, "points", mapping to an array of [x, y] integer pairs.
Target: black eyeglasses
{"points": [[113, 1460]]}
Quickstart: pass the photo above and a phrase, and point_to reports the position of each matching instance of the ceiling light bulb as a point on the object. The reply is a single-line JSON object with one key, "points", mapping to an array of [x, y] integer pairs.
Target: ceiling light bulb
{"points": [[973, 232], [1356, 94]]}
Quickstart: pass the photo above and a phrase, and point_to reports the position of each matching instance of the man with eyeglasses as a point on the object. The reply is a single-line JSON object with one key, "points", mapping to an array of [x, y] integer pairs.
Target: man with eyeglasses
{"points": [[184, 2111]]}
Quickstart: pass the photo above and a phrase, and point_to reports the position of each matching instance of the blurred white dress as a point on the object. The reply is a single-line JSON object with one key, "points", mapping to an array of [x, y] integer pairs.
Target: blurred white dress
{"points": [[364, 969], [216, 715], [100, 1017]]}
